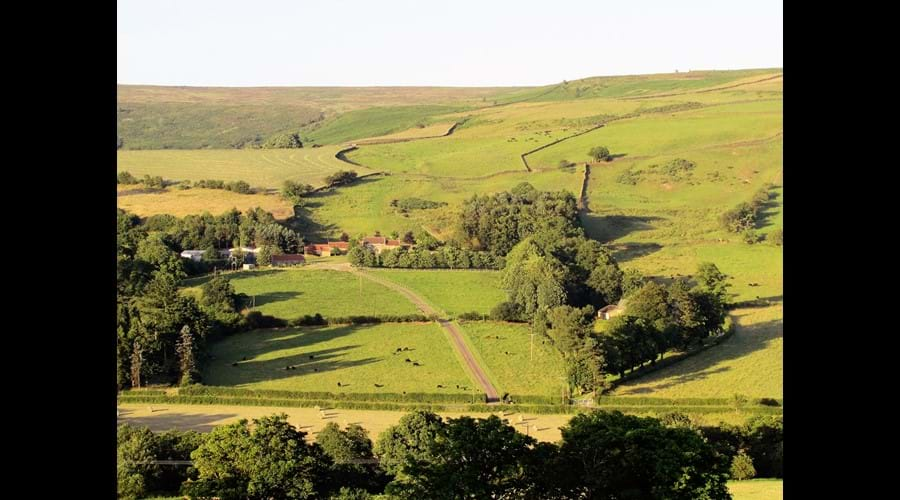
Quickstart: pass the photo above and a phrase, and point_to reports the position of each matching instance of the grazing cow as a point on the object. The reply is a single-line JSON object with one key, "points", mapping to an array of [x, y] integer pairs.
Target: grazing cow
{"points": [[408, 360], [440, 386], [415, 363], [378, 385], [339, 384]]}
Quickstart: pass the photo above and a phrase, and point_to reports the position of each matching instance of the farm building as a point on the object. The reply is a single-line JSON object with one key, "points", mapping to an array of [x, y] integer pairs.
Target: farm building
{"points": [[194, 255], [325, 249], [287, 260], [609, 311], [379, 243], [248, 267]]}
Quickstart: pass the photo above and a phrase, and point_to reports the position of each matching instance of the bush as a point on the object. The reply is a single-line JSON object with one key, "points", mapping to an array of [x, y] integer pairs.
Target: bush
{"points": [[768, 402], [126, 178], [471, 316], [599, 153], [308, 320], [776, 237], [750, 236], [629, 177], [255, 319], [565, 164], [742, 467], [416, 204], [239, 187], [507, 311]]}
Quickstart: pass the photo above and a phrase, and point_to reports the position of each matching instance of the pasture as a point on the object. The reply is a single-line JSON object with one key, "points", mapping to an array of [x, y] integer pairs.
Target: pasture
{"points": [[508, 359], [749, 363], [357, 357], [454, 291], [757, 489], [366, 206], [419, 132], [180, 202], [265, 168], [291, 293]]}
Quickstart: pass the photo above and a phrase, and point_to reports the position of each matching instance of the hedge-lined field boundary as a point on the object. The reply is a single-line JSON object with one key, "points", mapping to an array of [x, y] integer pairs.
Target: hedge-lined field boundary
{"points": [[437, 402]]}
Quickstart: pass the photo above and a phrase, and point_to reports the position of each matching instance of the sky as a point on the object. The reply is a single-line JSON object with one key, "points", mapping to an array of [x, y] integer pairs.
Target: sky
{"points": [[436, 43]]}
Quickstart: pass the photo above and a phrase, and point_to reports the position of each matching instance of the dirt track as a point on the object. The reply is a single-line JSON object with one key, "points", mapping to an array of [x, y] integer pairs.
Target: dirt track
{"points": [[451, 328]]}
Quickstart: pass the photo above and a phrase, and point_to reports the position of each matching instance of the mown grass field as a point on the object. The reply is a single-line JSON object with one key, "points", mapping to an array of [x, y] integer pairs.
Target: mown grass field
{"points": [[180, 202], [266, 168], [749, 363], [356, 356], [291, 293], [508, 358], [757, 489], [454, 291]]}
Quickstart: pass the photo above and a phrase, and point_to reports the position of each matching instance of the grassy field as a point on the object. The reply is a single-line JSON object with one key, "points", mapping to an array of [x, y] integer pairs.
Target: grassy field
{"points": [[291, 293], [373, 122], [153, 117], [267, 168], [749, 363], [455, 292], [356, 356], [659, 221], [757, 489], [425, 131], [508, 358], [366, 207], [180, 202]]}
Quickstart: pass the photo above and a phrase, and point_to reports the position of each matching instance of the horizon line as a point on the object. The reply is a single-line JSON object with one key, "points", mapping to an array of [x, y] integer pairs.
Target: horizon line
{"points": [[780, 68]]}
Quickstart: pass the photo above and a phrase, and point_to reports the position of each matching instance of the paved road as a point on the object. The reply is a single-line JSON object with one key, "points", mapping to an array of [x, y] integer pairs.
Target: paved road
{"points": [[453, 329]]}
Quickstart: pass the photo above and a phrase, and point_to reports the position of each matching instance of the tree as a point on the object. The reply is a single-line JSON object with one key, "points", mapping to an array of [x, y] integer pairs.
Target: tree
{"points": [[185, 348], [283, 141], [471, 458], [742, 467], [651, 304], [612, 455], [295, 191], [264, 256], [710, 279], [346, 448], [270, 460], [136, 449], [344, 236], [408, 442], [599, 153], [340, 178]]}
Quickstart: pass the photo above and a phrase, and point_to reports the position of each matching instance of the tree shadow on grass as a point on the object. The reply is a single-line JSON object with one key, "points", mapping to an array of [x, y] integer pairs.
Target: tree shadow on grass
{"points": [[631, 251], [746, 340], [162, 420], [272, 297], [612, 227], [259, 343]]}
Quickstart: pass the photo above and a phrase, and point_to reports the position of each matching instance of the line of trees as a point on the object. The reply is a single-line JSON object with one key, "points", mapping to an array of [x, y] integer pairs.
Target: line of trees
{"points": [[446, 257], [601, 455], [149, 181], [240, 187]]}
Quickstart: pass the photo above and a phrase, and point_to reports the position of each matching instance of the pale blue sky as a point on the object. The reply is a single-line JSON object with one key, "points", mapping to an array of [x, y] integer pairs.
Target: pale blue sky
{"points": [[448, 42]]}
